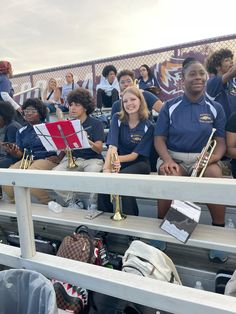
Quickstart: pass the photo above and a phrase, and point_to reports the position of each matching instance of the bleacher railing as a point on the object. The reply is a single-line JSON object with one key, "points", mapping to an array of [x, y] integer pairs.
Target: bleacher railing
{"points": [[166, 64], [33, 92], [160, 295]]}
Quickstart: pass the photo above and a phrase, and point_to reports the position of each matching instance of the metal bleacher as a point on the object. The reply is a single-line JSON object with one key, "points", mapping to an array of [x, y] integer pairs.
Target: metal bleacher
{"points": [[159, 295]]}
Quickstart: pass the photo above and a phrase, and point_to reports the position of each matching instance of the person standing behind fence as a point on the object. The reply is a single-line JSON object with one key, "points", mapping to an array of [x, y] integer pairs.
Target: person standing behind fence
{"points": [[108, 89], [183, 129], [147, 80], [29, 144], [66, 89], [221, 86], [52, 95], [131, 137]]}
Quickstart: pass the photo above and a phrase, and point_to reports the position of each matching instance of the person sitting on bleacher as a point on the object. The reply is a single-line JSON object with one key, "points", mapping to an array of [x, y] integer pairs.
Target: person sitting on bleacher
{"points": [[182, 130], [131, 137], [52, 95], [69, 86], [81, 105], [29, 148], [108, 89], [8, 129], [126, 78], [231, 141], [147, 80]]}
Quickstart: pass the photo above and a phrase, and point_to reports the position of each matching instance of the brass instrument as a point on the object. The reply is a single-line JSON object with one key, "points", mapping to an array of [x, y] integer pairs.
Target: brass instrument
{"points": [[26, 160], [204, 157], [71, 161], [136, 83], [117, 212]]}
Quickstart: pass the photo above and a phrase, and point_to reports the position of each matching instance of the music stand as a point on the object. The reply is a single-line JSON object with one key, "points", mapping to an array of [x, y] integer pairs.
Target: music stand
{"points": [[61, 135]]}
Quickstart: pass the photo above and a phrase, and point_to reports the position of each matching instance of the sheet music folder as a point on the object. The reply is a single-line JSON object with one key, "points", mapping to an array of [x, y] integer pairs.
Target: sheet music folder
{"points": [[181, 220], [63, 134]]}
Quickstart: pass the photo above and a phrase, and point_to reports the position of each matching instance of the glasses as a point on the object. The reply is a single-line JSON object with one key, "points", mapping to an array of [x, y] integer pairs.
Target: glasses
{"points": [[126, 81], [30, 111]]}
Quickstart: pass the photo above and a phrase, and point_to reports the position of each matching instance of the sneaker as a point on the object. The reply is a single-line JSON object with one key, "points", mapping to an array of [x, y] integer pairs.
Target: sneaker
{"points": [[160, 245], [77, 203], [216, 256]]}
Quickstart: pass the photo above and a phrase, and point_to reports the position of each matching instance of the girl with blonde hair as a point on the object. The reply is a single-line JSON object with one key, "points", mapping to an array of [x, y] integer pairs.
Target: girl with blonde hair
{"points": [[130, 137]]}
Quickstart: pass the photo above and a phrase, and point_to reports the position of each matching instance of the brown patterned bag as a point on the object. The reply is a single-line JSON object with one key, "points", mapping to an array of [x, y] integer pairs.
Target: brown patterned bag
{"points": [[79, 246], [83, 247]]}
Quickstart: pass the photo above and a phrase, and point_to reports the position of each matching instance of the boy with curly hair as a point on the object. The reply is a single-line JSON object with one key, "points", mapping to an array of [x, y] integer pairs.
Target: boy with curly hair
{"points": [[221, 85]]}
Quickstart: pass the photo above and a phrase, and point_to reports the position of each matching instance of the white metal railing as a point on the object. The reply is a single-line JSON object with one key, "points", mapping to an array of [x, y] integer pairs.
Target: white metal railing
{"points": [[27, 91], [156, 294], [21, 96]]}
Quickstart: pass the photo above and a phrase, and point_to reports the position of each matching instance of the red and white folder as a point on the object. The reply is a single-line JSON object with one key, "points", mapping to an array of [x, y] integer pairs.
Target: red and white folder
{"points": [[60, 135]]}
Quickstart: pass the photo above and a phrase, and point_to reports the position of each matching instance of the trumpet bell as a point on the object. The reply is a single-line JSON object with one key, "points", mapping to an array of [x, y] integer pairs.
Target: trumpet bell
{"points": [[71, 162], [118, 216]]}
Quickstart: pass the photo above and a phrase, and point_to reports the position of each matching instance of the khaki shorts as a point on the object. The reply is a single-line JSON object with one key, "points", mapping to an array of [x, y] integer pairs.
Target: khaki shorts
{"points": [[185, 160]]}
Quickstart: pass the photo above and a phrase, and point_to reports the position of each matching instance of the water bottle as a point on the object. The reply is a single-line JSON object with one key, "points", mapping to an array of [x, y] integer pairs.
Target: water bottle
{"points": [[55, 207], [198, 285], [230, 224]]}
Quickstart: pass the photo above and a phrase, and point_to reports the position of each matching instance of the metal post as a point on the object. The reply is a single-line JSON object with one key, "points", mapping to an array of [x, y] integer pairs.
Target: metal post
{"points": [[25, 222]]}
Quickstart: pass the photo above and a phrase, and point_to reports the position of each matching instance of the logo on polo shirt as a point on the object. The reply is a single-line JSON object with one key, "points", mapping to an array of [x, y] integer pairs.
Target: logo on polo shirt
{"points": [[205, 118], [135, 138]]}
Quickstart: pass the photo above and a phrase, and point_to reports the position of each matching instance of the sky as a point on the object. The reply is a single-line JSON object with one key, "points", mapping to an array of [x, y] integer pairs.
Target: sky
{"points": [[40, 34]]}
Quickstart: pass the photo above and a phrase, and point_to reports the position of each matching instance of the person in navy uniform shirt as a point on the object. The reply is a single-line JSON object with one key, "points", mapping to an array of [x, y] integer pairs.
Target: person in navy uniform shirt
{"points": [[147, 80], [81, 105], [126, 78], [131, 137], [221, 86], [183, 129], [231, 141], [26, 139]]}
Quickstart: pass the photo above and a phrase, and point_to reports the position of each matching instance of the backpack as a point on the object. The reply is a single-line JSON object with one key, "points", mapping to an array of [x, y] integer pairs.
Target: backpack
{"points": [[145, 260], [83, 247]]}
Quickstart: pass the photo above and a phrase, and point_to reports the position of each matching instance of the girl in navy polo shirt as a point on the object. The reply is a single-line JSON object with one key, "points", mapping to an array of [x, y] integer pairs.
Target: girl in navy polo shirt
{"points": [[147, 80], [131, 137], [26, 139], [183, 129]]}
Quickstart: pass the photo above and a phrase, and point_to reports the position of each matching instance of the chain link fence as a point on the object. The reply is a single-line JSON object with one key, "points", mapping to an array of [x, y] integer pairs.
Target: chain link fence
{"points": [[166, 64]]}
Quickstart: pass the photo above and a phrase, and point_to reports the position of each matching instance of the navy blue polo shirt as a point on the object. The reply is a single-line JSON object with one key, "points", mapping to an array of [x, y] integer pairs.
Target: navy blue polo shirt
{"points": [[26, 137], [138, 139], [95, 133], [187, 125], [146, 84], [149, 98], [225, 94], [5, 85]]}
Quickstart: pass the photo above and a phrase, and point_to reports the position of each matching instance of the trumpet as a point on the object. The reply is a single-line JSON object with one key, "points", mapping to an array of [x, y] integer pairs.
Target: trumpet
{"points": [[204, 157], [117, 212], [26, 160], [136, 83], [71, 161]]}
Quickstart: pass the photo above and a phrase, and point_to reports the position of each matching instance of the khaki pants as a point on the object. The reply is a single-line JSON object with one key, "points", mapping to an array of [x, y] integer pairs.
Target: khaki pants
{"points": [[84, 165], [40, 164]]}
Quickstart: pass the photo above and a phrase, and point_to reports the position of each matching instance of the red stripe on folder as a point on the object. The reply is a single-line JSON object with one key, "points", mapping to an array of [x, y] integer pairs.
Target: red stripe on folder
{"points": [[68, 132]]}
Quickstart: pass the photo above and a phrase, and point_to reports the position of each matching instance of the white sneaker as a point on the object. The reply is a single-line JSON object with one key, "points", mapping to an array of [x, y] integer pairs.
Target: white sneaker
{"points": [[77, 203]]}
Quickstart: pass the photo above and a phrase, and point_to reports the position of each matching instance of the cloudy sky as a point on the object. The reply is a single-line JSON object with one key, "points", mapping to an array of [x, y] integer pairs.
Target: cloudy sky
{"points": [[38, 34]]}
